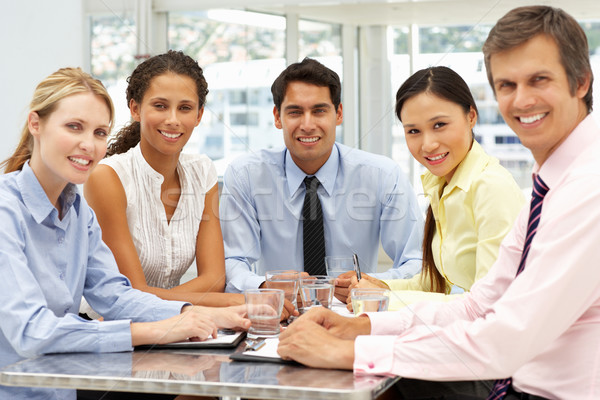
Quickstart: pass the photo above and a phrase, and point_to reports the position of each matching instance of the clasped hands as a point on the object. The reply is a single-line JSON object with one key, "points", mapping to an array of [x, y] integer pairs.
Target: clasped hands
{"points": [[322, 339]]}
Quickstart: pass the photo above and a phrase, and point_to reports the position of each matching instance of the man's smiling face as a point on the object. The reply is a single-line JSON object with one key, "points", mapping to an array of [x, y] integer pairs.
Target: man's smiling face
{"points": [[308, 119], [533, 95]]}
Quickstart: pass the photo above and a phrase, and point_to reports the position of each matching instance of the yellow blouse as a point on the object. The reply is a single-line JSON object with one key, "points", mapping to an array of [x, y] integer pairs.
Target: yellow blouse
{"points": [[473, 213]]}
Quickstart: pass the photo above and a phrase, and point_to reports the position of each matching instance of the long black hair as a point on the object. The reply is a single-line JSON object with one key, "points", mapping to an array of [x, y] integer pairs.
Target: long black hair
{"points": [[447, 84]]}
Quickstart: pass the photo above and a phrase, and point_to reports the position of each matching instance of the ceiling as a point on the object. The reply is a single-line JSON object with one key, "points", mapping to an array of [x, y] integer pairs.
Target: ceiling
{"points": [[438, 12], [365, 12]]}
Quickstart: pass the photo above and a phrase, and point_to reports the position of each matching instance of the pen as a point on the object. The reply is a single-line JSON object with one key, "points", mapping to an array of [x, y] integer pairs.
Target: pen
{"points": [[356, 267], [256, 345]]}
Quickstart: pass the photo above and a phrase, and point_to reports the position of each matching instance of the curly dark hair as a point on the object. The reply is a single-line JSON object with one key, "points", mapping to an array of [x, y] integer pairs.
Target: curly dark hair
{"points": [[139, 81]]}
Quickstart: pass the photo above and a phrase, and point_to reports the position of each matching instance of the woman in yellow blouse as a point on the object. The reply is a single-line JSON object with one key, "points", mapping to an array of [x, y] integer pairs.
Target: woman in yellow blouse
{"points": [[473, 199]]}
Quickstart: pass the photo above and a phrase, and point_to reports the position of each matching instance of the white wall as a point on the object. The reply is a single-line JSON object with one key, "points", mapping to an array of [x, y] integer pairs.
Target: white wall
{"points": [[38, 37]]}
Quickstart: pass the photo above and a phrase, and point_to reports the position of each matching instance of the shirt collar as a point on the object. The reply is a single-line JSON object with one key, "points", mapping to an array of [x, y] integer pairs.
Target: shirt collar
{"points": [[469, 168], [35, 197], [559, 161], [326, 174], [139, 160]]}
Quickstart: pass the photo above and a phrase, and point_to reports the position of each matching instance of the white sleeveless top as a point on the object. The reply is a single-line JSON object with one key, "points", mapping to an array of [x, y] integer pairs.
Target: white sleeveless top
{"points": [[166, 250]]}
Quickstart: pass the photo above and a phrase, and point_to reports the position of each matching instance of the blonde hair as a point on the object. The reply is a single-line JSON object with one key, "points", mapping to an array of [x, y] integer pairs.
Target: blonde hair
{"points": [[48, 93]]}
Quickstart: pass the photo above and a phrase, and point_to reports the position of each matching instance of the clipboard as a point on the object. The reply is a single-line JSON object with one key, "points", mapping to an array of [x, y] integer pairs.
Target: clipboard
{"points": [[225, 340]]}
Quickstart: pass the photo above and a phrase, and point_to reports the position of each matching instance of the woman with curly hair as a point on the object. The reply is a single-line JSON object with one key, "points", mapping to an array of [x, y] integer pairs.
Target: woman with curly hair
{"points": [[158, 208]]}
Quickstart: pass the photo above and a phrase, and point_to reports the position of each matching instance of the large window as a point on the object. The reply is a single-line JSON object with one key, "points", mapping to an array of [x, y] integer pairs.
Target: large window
{"points": [[113, 48], [400, 71], [323, 42], [241, 53], [592, 31], [459, 48]]}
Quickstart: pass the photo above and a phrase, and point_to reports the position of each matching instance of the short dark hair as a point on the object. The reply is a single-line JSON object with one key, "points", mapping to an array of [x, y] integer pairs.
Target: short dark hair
{"points": [[523, 23], [308, 71]]}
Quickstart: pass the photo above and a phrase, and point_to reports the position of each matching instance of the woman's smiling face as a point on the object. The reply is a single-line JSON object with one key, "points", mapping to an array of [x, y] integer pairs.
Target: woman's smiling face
{"points": [[438, 132], [70, 141], [168, 114]]}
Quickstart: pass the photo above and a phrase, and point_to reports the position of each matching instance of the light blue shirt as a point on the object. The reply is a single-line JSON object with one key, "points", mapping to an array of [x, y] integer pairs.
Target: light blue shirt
{"points": [[364, 197], [46, 264]]}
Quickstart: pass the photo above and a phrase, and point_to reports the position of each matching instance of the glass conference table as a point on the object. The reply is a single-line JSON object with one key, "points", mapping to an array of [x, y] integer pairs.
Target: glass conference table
{"points": [[203, 372]]}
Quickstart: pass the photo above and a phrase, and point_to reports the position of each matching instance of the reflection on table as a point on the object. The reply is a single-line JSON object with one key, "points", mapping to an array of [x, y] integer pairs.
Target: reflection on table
{"points": [[195, 372]]}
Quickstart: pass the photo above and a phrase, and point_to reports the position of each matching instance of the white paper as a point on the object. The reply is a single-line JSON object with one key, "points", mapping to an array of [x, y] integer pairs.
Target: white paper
{"points": [[340, 308], [268, 350]]}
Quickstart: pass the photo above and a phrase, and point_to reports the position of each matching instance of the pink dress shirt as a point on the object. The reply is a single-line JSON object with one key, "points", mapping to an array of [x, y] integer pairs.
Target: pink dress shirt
{"points": [[542, 327]]}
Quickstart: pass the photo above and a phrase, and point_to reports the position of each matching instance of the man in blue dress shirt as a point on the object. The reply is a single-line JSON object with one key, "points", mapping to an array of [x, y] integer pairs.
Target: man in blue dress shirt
{"points": [[364, 197]]}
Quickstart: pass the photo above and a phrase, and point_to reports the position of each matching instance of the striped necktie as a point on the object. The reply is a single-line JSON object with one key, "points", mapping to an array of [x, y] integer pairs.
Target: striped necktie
{"points": [[314, 240], [540, 189]]}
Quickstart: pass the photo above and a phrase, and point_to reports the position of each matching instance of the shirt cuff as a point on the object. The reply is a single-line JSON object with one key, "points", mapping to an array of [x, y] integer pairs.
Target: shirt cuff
{"points": [[114, 336], [404, 271], [168, 309], [252, 282], [387, 323], [374, 355], [239, 278]]}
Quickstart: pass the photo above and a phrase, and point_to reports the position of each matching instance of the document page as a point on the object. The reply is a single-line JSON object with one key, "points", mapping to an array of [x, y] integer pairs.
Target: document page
{"points": [[269, 349]]}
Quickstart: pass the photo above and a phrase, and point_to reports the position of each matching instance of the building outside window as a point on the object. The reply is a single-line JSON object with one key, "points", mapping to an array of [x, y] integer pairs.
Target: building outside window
{"points": [[458, 47], [243, 52], [113, 51]]}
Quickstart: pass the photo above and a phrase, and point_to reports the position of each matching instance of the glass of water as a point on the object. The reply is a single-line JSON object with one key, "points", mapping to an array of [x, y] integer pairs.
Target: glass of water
{"points": [[288, 281], [316, 291], [336, 265], [369, 300], [264, 308]]}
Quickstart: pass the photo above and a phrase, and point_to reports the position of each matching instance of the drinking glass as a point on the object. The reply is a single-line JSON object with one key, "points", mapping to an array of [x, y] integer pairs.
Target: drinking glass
{"points": [[288, 281], [316, 291], [336, 265], [369, 300], [264, 308]]}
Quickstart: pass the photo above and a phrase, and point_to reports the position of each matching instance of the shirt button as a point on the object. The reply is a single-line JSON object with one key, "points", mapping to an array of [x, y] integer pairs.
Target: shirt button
{"points": [[61, 239], [371, 365], [61, 276]]}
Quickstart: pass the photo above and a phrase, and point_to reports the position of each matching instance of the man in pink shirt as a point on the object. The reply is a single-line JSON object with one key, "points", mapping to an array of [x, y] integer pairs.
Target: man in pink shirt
{"points": [[539, 327]]}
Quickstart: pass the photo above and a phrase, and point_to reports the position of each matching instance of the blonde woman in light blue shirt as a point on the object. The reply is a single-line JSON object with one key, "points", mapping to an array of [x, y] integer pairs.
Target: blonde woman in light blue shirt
{"points": [[51, 249]]}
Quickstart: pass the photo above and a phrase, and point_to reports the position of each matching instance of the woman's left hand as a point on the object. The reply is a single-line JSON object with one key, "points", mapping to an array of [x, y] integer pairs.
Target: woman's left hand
{"points": [[233, 317]]}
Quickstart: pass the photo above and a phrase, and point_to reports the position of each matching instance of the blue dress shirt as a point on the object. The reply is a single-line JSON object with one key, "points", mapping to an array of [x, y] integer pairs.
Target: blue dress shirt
{"points": [[46, 264], [364, 197]]}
